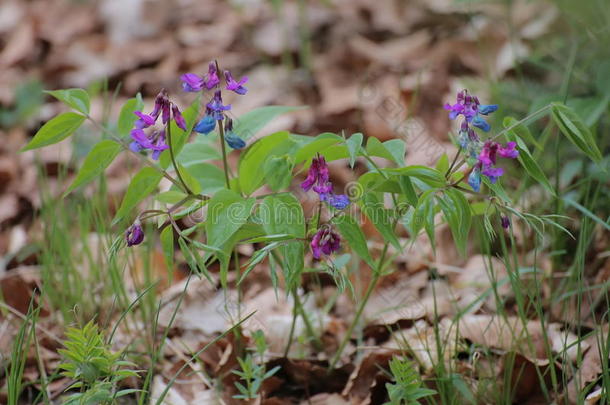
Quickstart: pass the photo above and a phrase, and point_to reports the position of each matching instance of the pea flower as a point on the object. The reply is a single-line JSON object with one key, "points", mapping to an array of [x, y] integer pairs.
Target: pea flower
{"points": [[216, 107], [470, 107], [337, 201], [211, 80], [236, 86], [155, 141], [325, 241], [487, 159], [505, 221], [178, 118], [134, 235], [317, 177], [232, 139], [206, 124], [191, 82]]}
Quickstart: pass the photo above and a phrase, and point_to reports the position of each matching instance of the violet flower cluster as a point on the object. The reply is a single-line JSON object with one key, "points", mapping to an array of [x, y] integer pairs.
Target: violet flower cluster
{"points": [[155, 139], [215, 110], [318, 178], [325, 241], [485, 153]]}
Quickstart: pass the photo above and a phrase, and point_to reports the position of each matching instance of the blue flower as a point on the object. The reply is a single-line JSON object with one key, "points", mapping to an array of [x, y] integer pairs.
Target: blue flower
{"points": [[479, 122], [205, 125], [487, 108], [216, 107], [474, 179], [235, 141], [337, 201]]}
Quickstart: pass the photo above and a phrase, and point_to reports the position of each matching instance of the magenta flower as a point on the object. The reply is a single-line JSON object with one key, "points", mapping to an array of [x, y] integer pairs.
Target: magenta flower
{"points": [[317, 177], [211, 80], [325, 241], [487, 160], [191, 82], [178, 118], [236, 86], [134, 235], [144, 120]]}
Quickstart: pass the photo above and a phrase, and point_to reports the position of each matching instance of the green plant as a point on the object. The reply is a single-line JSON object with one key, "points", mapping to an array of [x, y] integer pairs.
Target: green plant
{"points": [[407, 388], [252, 373], [96, 371]]}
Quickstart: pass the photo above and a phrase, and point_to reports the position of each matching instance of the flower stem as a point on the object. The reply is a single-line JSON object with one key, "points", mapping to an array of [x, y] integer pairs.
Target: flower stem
{"points": [[173, 158], [369, 290], [225, 163]]}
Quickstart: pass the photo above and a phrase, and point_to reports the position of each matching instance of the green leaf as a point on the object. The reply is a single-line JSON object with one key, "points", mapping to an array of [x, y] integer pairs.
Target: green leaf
{"points": [[380, 216], [309, 147], [194, 261], [529, 163], [190, 180], [354, 143], [456, 210], [95, 163], [520, 130], [376, 148], [426, 174], [250, 174], [142, 184], [227, 212], [127, 117], [197, 152], [78, 99], [397, 149], [406, 185], [210, 177], [278, 172], [170, 197], [55, 130], [167, 245], [575, 130], [283, 214], [352, 233], [248, 124]]}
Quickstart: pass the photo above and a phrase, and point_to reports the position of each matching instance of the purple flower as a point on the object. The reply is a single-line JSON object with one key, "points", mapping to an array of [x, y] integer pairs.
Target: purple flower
{"points": [[505, 221], [317, 177], [325, 241], [155, 142], [145, 120], [487, 159], [160, 101], [236, 86], [493, 173], [206, 124], [470, 107], [337, 201], [211, 80], [216, 107], [178, 118], [191, 82], [134, 235]]}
